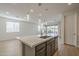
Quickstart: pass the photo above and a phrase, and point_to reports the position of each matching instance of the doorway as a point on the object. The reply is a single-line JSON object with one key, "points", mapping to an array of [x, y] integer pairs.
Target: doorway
{"points": [[69, 29]]}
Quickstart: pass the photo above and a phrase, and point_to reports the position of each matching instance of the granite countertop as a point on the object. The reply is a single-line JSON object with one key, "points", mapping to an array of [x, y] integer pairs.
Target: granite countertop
{"points": [[33, 41]]}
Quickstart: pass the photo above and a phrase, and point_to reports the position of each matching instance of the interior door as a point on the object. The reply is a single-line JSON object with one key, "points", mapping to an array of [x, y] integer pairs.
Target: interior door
{"points": [[69, 29]]}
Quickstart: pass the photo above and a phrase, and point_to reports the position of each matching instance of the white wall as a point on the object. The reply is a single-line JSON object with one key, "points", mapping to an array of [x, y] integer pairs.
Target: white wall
{"points": [[61, 29], [26, 29], [61, 32]]}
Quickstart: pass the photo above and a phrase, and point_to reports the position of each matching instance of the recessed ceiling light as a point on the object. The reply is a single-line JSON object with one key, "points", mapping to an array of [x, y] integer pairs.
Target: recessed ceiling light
{"points": [[7, 12], [40, 14], [69, 3], [46, 23], [31, 10]]}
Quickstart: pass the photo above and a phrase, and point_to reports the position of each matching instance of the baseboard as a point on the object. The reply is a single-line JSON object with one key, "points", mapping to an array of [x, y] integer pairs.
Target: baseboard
{"points": [[69, 44]]}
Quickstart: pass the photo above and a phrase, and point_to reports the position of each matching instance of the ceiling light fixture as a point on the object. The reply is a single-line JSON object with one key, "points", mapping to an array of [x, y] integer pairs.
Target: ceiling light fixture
{"points": [[31, 10], [45, 23], [40, 14], [7, 12], [28, 16], [39, 20]]}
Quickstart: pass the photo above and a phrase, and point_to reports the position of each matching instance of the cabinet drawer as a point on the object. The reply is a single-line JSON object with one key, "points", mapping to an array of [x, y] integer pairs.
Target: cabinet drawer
{"points": [[49, 49], [39, 47], [56, 43], [51, 41], [53, 50], [48, 42], [41, 52]]}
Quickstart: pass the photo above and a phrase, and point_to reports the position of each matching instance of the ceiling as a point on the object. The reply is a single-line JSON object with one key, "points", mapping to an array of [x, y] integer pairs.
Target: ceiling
{"points": [[48, 11]]}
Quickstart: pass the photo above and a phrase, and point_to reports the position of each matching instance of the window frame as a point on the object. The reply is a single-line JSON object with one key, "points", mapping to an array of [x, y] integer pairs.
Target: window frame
{"points": [[12, 27]]}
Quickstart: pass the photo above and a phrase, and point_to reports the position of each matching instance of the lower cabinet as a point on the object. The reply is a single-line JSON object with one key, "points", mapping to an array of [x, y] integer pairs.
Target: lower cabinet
{"points": [[40, 50], [50, 47], [47, 48], [56, 43], [53, 47]]}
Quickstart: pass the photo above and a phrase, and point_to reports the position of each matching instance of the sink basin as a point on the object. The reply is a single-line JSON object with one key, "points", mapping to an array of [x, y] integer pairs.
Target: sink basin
{"points": [[44, 37]]}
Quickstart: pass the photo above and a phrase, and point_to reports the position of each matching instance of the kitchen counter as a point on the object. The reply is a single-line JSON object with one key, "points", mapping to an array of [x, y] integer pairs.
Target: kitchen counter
{"points": [[38, 46], [33, 41]]}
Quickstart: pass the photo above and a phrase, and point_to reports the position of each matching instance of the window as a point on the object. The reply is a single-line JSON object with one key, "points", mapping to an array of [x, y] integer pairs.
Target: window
{"points": [[12, 27], [38, 28], [52, 30]]}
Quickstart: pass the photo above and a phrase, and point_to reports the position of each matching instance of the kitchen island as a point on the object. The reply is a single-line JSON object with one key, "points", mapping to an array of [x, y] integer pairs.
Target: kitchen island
{"points": [[39, 46]]}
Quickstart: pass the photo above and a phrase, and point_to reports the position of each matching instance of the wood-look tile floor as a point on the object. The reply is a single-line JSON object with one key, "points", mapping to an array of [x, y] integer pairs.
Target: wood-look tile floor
{"points": [[67, 50]]}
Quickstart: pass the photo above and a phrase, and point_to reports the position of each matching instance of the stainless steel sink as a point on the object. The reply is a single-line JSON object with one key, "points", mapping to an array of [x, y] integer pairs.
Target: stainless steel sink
{"points": [[44, 37]]}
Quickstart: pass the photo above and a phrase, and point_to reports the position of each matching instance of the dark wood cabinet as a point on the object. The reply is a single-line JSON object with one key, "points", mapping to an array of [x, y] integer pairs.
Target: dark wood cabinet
{"points": [[47, 48], [50, 47], [53, 47], [56, 43], [40, 50]]}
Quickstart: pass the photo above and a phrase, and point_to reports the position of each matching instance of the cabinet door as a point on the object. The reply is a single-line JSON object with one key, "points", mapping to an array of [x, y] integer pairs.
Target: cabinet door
{"points": [[56, 43], [49, 49], [40, 50], [53, 46]]}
